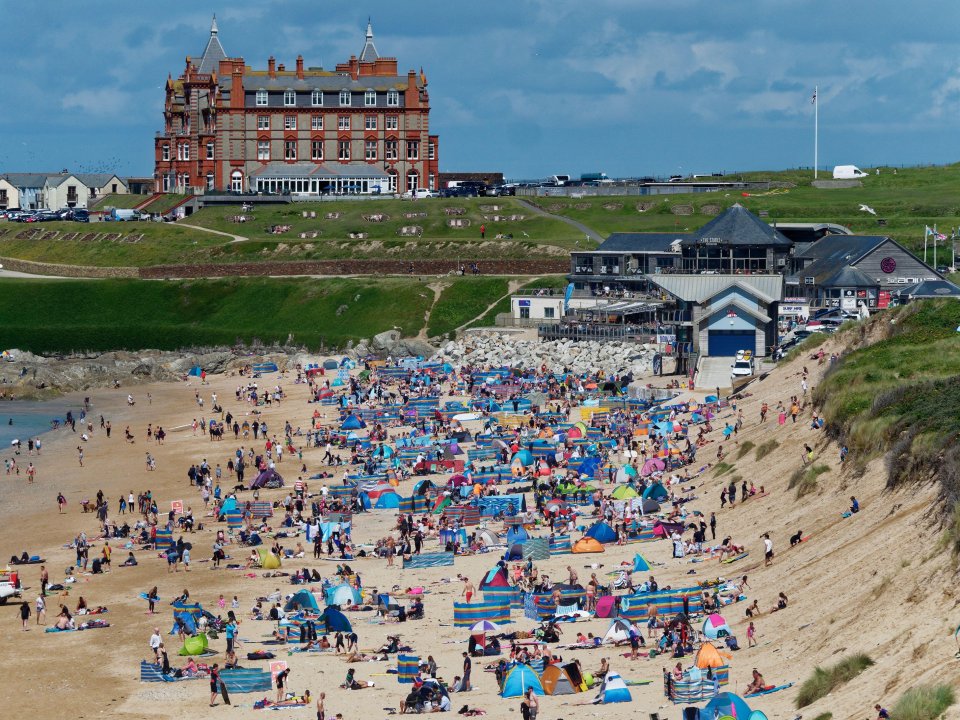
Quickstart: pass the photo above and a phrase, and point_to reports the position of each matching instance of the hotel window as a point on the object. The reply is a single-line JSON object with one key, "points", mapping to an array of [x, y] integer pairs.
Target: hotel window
{"points": [[413, 180], [343, 149], [316, 150], [393, 122], [370, 150], [186, 151], [390, 150], [209, 151], [316, 98], [549, 312], [432, 149], [370, 98], [316, 122], [290, 150], [263, 149], [263, 122], [261, 98], [370, 122], [165, 152], [289, 122], [289, 98], [343, 122], [393, 98], [209, 181], [345, 98], [166, 183], [413, 149]]}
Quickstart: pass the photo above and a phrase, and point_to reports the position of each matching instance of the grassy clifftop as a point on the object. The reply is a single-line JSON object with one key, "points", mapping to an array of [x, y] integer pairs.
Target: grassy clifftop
{"points": [[897, 391]]}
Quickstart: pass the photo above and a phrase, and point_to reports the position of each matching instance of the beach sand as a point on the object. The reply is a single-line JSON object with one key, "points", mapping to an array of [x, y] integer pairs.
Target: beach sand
{"points": [[873, 583]]}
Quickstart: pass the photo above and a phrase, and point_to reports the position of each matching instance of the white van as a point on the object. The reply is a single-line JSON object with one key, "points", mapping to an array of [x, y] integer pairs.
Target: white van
{"points": [[847, 172]]}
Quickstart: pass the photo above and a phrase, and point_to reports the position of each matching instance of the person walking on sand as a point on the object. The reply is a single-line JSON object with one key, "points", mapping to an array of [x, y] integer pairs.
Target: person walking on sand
{"points": [[44, 579], [467, 589], [61, 502], [214, 683], [31, 472], [767, 550], [281, 680], [41, 610], [24, 615], [751, 635], [80, 455]]}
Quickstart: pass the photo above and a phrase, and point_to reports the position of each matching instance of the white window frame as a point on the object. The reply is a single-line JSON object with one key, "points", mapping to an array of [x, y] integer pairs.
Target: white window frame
{"points": [[345, 95], [236, 181], [341, 146], [370, 98], [166, 182], [370, 122], [393, 98], [263, 149], [186, 151], [415, 146], [432, 151], [391, 149], [165, 154], [369, 149], [289, 122], [343, 123], [289, 98], [314, 146], [316, 122], [209, 181], [392, 122], [413, 180], [262, 98], [210, 150], [289, 149], [263, 122], [316, 98]]}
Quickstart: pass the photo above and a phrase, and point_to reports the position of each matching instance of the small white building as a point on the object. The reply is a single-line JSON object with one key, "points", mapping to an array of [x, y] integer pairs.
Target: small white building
{"points": [[56, 191]]}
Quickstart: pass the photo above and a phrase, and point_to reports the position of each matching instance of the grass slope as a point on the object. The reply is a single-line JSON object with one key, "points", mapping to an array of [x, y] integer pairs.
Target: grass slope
{"points": [[908, 201], [825, 680], [554, 282], [900, 394], [130, 314], [168, 243], [462, 300]]}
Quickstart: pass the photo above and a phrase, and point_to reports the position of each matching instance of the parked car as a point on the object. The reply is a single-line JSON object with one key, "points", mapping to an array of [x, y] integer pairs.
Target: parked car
{"points": [[418, 194]]}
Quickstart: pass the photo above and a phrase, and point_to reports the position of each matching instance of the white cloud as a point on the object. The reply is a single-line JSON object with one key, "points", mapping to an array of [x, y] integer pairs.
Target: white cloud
{"points": [[103, 102]]}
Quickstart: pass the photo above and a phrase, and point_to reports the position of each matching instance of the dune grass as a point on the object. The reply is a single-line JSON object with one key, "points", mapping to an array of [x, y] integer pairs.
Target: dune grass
{"points": [[804, 479], [64, 316], [745, 447], [898, 392], [925, 702], [722, 468], [765, 448], [824, 716], [825, 680]]}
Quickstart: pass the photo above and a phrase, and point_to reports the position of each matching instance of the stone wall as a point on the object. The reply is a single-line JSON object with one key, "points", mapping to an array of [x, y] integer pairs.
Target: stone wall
{"points": [[70, 271]]}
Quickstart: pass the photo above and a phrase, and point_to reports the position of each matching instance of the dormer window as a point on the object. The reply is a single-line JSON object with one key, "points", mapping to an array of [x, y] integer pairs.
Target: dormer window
{"points": [[393, 98], [316, 98], [344, 98], [370, 98], [261, 98], [289, 98]]}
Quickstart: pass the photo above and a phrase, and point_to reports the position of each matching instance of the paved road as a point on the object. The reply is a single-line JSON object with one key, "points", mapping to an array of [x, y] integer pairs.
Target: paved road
{"points": [[14, 274], [714, 373], [233, 238], [569, 221]]}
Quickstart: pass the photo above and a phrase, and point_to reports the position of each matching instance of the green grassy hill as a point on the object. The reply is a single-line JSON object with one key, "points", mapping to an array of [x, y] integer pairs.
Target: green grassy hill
{"points": [[907, 200], [381, 221], [67, 315]]}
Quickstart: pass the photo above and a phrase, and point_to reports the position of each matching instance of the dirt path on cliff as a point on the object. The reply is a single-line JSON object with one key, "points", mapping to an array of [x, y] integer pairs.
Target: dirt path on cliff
{"points": [[233, 238], [437, 288]]}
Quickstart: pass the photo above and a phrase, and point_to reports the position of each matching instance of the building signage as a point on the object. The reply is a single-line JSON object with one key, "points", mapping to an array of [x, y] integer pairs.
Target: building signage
{"points": [[888, 265], [524, 303], [794, 309]]}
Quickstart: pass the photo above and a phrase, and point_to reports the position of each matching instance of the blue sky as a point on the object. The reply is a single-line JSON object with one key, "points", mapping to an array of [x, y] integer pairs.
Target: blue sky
{"points": [[529, 87]]}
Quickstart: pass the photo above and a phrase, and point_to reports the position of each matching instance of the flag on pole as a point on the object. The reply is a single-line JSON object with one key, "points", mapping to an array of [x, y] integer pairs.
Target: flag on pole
{"points": [[813, 100]]}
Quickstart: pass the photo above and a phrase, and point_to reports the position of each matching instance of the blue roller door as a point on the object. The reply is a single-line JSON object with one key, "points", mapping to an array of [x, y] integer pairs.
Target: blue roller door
{"points": [[725, 343]]}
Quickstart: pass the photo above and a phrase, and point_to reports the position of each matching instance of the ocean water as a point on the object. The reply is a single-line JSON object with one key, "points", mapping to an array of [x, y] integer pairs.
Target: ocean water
{"points": [[24, 420]]}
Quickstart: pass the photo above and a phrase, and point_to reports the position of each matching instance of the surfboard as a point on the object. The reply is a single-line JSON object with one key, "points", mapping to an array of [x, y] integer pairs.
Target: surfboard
{"points": [[464, 417], [224, 693]]}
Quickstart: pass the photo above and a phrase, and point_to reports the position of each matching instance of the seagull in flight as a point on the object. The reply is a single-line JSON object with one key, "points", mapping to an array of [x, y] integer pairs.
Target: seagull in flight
{"points": [[867, 208]]}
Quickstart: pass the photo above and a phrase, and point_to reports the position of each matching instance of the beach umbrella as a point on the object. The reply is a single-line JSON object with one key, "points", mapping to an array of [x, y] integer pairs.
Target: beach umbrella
{"points": [[483, 627]]}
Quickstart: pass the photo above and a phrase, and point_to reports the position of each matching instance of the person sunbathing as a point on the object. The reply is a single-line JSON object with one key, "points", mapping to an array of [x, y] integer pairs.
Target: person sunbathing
{"points": [[757, 684], [351, 683]]}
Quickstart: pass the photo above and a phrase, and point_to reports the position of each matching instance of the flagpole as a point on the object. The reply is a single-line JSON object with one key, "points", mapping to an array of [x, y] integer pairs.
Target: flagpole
{"points": [[934, 247], [816, 129]]}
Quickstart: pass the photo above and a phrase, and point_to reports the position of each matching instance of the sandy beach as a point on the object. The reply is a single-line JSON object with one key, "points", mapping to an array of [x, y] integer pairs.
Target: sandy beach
{"points": [[873, 583]]}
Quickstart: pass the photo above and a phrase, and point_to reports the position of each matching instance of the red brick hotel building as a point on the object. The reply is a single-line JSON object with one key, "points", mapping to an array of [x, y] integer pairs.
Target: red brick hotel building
{"points": [[360, 128]]}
